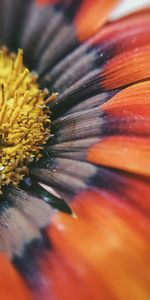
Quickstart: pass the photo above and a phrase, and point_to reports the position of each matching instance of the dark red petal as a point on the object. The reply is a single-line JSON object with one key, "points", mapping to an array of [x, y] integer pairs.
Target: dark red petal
{"points": [[44, 2]]}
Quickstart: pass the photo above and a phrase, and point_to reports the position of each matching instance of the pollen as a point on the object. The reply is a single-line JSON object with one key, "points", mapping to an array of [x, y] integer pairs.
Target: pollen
{"points": [[24, 118]]}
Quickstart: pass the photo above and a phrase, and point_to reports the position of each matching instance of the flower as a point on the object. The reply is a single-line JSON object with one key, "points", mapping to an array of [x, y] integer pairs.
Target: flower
{"points": [[76, 226]]}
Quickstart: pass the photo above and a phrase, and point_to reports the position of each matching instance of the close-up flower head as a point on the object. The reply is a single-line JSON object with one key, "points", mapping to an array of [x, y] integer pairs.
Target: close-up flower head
{"points": [[74, 149]]}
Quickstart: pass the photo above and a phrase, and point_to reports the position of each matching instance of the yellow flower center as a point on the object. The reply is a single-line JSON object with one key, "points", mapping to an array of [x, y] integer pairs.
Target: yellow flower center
{"points": [[24, 118]]}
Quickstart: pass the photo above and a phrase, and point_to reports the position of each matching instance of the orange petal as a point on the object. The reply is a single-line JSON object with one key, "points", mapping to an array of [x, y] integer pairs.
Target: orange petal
{"points": [[11, 284], [91, 16], [103, 253], [135, 98], [122, 152], [127, 68]]}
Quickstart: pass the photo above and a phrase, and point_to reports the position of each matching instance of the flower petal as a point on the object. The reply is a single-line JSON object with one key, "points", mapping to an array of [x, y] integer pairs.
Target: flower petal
{"points": [[114, 58], [129, 113], [105, 250], [12, 285]]}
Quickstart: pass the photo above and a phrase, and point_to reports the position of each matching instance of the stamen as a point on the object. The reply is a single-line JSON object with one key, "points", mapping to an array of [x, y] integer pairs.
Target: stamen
{"points": [[24, 118]]}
